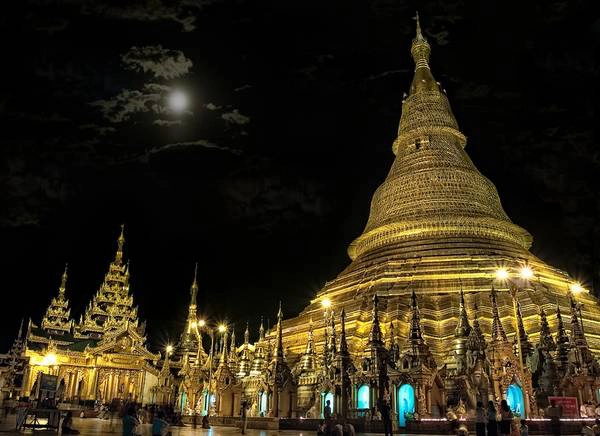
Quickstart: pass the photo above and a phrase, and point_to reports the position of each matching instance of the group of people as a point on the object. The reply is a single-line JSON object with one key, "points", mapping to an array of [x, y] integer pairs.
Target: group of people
{"points": [[498, 422], [333, 427], [132, 422], [588, 410]]}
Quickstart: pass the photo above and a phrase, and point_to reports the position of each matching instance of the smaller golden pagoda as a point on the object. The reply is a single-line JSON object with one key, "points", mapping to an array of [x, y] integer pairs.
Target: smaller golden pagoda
{"points": [[101, 358]]}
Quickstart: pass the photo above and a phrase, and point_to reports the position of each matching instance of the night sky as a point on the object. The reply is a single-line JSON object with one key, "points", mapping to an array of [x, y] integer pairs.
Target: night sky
{"points": [[268, 175]]}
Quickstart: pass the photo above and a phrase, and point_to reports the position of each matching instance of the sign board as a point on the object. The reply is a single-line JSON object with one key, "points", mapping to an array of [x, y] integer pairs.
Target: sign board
{"points": [[48, 382], [568, 405]]}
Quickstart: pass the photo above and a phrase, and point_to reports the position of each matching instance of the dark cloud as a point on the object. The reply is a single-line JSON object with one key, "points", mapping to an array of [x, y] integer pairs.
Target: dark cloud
{"points": [[160, 62], [151, 98], [235, 117]]}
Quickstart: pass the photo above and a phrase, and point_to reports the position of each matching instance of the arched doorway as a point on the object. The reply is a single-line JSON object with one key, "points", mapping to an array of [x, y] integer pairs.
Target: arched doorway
{"points": [[514, 398], [327, 396], [183, 400], [264, 404], [363, 398], [406, 403]]}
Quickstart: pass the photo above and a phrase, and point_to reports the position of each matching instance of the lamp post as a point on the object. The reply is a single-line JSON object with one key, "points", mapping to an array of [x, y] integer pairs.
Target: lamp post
{"points": [[525, 274]]}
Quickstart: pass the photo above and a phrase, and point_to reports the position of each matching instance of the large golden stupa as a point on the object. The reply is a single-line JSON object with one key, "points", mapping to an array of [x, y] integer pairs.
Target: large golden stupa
{"points": [[437, 226]]}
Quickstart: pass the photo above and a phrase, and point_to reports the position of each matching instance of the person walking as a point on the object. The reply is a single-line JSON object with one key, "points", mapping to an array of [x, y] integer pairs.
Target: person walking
{"points": [[244, 416], [130, 422], [492, 424], [481, 419], [506, 418], [160, 427]]}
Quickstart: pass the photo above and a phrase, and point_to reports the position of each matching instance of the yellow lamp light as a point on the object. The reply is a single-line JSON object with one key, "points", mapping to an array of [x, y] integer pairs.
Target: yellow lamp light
{"points": [[326, 303], [194, 324], [50, 359], [201, 323], [526, 273], [576, 288], [222, 328], [502, 274], [169, 349]]}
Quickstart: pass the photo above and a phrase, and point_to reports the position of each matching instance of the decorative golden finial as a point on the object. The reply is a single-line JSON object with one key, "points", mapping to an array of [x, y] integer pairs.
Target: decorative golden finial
{"points": [[63, 282], [194, 288], [121, 242], [419, 36]]}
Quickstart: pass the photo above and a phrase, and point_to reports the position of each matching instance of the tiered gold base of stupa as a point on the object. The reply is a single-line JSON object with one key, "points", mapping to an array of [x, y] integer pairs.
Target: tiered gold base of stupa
{"points": [[437, 279]]}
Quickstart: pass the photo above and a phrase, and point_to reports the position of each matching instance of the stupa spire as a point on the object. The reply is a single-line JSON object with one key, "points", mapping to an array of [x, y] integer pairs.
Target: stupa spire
{"points": [[498, 333], [310, 342], [247, 334], [546, 341], [463, 328], [261, 330], [58, 315], [375, 334], [476, 340], [421, 50], [120, 244], [343, 341], [63, 283], [526, 346], [415, 336], [333, 335], [278, 355], [562, 342], [194, 288]]}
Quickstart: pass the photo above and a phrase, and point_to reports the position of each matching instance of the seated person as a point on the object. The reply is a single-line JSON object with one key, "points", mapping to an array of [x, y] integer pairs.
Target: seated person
{"points": [[67, 424]]}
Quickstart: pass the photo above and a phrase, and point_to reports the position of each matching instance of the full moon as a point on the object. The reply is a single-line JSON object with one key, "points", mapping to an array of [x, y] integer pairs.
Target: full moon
{"points": [[178, 101]]}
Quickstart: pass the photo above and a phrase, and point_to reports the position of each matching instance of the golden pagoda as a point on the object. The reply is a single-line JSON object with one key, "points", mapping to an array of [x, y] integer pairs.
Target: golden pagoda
{"points": [[101, 358], [437, 232]]}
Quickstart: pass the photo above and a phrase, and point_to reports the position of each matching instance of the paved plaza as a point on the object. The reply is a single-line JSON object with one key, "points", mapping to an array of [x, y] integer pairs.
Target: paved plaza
{"points": [[101, 427]]}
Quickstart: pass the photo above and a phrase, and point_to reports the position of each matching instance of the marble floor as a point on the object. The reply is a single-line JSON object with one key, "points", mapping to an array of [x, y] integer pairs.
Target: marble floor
{"points": [[101, 427]]}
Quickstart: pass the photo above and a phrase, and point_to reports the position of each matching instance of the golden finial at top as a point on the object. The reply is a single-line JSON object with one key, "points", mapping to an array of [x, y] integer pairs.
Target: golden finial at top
{"points": [[63, 282], [121, 242], [419, 36]]}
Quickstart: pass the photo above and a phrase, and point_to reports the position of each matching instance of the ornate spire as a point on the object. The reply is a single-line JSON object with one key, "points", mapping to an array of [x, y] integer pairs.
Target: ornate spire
{"points": [[525, 344], [546, 341], [476, 340], [58, 315], [224, 353], [420, 50], [562, 342], [307, 361], [498, 333], [375, 334], [577, 337], [63, 283], [194, 288], [120, 243], [278, 355], [343, 341], [333, 336], [247, 334], [463, 328], [261, 330], [415, 337]]}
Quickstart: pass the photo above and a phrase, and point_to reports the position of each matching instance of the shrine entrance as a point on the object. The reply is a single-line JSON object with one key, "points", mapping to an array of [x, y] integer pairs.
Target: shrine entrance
{"points": [[514, 398], [406, 403]]}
